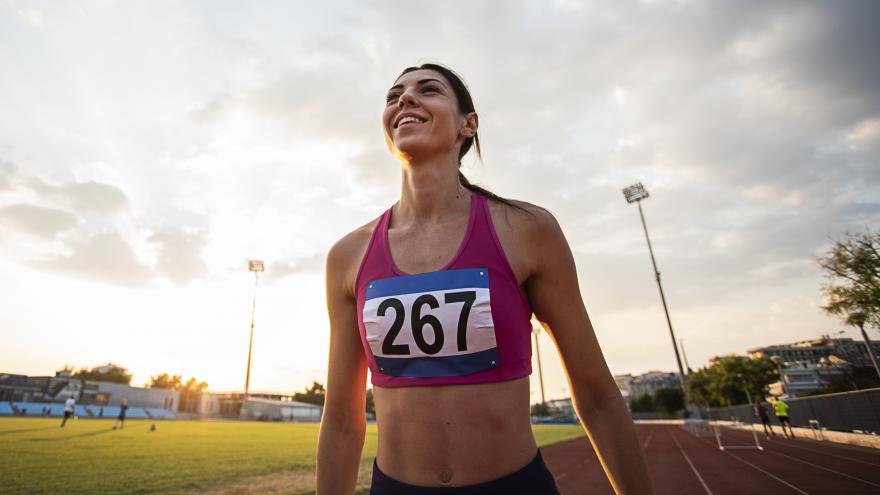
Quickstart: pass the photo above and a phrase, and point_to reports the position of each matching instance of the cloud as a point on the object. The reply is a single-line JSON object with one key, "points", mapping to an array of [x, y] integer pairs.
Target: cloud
{"points": [[32, 16], [87, 197], [179, 254], [280, 269], [105, 257], [36, 220]]}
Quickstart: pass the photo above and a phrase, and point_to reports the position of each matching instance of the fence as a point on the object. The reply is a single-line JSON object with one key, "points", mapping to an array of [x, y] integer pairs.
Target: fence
{"points": [[846, 411]]}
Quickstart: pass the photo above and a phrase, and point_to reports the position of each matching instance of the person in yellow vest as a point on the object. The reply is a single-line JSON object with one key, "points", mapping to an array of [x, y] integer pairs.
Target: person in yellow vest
{"points": [[781, 410]]}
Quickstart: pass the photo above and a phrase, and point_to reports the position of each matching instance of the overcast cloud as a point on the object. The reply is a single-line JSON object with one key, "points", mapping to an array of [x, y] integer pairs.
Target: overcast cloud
{"points": [[145, 144]]}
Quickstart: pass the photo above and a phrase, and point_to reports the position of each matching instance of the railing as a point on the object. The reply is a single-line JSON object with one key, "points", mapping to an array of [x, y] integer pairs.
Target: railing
{"points": [[845, 411]]}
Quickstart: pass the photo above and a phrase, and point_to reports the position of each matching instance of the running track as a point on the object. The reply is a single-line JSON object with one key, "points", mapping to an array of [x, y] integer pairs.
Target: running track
{"points": [[683, 464]]}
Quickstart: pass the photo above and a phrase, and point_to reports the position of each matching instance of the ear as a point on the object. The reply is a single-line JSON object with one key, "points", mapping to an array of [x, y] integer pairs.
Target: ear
{"points": [[469, 126]]}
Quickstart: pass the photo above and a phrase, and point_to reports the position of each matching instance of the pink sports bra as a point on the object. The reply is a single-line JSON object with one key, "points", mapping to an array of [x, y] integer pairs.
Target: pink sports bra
{"points": [[465, 323]]}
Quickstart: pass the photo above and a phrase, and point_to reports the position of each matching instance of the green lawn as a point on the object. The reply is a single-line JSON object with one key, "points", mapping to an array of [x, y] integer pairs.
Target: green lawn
{"points": [[36, 456]]}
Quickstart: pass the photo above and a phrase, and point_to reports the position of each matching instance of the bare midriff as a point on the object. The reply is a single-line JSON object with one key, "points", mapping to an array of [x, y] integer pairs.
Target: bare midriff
{"points": [[454, 435]]}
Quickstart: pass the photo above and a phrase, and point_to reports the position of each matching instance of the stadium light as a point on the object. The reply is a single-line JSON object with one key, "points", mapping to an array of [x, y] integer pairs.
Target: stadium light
{"points": [[635, 194], [255, 266], [536, 329]]}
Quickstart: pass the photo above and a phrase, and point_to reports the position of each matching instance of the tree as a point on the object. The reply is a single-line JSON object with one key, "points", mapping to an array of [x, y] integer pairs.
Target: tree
{"points": [[106, 373], [313, 395], [642, 403], [669, 400], [852, 267], [371, 404], [165, 381], [540, 410], [731, 380]]}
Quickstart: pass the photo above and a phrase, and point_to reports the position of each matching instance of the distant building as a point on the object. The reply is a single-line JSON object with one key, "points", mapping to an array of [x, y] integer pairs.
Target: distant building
{"points": [[810, 365], [814, 350], [803, 377], [258, 406], [23, 388], [279, 410], [645, 384]]}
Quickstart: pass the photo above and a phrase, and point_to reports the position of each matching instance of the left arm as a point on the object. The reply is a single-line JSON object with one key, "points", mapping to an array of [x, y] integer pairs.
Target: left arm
{"points": [[553, 291]]}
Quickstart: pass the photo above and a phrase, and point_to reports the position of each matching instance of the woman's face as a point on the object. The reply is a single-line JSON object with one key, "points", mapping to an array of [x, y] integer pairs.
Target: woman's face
{"points": [[421, 115]]}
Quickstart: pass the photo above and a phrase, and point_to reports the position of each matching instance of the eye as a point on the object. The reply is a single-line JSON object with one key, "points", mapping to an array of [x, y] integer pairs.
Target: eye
{"points": [[391, 97], [430, 88]]}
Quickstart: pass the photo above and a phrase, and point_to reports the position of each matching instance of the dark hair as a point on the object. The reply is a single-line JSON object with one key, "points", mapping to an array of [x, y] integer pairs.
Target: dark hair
{"points": [[465, 106]]}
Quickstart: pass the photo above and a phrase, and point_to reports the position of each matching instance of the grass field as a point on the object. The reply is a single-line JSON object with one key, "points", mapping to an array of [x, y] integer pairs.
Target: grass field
{"points": [[204, 457]]}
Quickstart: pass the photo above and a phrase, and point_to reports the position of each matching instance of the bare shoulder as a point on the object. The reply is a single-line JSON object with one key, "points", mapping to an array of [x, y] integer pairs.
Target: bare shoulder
{"points": [[344, 257], [529, 234], [524, 217]]}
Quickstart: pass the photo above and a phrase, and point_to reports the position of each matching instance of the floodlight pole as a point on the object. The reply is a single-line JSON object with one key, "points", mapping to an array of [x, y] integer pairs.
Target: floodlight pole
{"points": [[642, 194], [255, 266], [536, 328]]}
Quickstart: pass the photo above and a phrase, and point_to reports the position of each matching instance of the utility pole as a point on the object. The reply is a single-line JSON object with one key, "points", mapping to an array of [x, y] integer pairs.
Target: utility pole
{"points": [[858, 318]]}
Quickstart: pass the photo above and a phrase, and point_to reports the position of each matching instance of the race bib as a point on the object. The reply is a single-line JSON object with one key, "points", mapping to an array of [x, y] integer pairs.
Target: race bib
{"points": [[431, 325]]}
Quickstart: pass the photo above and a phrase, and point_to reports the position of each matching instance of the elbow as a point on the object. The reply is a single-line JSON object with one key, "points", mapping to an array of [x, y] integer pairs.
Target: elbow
{"points": [[345, 423], [591, 397]]}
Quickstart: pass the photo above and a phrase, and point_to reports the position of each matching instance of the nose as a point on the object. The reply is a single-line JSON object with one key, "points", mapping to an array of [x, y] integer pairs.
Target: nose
{"points": [[407, 99]]}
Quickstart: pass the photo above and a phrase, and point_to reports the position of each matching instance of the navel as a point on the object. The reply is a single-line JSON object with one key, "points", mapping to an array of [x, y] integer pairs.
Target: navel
{"points": [[446, 476]]}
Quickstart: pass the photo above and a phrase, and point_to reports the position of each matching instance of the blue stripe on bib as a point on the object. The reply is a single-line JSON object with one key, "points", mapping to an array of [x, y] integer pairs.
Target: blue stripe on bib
{"points": [[465, 278], [423, 367]]}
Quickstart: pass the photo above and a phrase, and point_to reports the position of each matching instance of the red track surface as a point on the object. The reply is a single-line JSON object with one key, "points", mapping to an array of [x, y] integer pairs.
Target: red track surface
{"points": [[683, 464]]}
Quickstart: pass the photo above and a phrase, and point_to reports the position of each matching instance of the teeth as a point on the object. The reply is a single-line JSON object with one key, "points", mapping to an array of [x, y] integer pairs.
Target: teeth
{"points": [[409, 120]]}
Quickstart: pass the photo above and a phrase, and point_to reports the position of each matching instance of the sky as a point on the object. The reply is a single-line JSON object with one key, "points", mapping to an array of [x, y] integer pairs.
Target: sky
{"points": [[148, 149]]}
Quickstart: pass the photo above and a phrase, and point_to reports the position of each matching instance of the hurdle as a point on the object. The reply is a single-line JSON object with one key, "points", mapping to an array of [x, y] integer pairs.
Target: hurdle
{"points": [[737, 425], [700, 428], [816, 428]]}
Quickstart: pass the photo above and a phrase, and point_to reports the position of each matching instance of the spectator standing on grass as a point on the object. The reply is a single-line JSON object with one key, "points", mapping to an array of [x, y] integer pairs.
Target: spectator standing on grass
{"points": [[781, 409], [763, 414], [120, 420], [408, 296], [69, 406]]}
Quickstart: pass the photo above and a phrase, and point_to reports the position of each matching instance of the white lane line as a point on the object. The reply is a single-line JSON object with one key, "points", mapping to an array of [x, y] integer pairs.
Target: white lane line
{"points": [[759, 469], [826, 469], [644, 447], [563, 475], [821, 452], [702, 481]]}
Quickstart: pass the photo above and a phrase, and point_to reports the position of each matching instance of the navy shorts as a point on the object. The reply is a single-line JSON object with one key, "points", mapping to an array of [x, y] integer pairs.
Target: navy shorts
{"points": [[534, 479]]}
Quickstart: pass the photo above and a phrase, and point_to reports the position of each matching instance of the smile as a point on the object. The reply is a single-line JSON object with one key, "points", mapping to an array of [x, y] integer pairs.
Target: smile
{"points": [[409, 120]]}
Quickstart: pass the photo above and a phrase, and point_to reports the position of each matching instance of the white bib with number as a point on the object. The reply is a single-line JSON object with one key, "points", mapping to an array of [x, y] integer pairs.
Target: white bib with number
{"points": [[431, 325]]}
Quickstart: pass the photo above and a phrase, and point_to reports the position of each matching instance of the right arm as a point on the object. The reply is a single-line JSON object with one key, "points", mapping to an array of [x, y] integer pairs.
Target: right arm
{"points": [[343, 423]]}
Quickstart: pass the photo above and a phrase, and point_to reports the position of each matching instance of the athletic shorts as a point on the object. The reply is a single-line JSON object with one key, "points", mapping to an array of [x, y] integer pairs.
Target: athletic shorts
{"points": [[534, 479], [67, 414], [783, 419]]}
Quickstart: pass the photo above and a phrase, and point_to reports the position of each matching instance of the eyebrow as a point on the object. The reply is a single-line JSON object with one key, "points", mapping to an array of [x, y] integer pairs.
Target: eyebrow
{"points": [[420, 82]]}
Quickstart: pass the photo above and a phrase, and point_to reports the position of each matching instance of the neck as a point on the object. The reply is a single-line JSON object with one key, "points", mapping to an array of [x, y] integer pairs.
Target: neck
{"points": [[430, 192]]}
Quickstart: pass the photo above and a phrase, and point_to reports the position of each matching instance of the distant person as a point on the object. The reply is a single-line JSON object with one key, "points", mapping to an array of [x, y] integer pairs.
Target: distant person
{"points": [[120, 420], [69, 405], [781, 409], [763, 414]]}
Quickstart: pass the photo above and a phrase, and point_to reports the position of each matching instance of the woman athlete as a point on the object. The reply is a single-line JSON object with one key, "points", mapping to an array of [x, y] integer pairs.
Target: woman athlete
{"points": [[435, 298]]}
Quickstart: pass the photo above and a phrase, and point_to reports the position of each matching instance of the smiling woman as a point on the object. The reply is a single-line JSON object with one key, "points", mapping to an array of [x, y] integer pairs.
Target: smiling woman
{"points": [[435, 299]]}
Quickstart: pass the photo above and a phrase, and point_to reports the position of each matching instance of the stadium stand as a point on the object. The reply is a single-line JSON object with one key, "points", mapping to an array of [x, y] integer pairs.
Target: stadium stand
{"points": [[6, 408], [136, 413], [56, 409], [156, 413], [111, 411], [30, 408]]}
